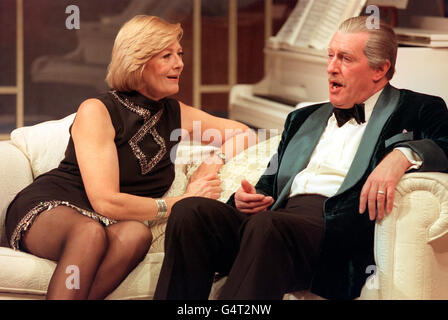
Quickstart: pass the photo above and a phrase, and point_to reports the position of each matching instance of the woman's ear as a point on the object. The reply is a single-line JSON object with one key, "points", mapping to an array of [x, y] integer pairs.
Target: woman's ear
{"points": [[381, 71]]}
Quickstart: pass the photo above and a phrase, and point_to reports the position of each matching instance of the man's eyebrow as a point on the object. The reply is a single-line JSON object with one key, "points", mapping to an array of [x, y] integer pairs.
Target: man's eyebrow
{"points": [[341, 52], [346, 52]]}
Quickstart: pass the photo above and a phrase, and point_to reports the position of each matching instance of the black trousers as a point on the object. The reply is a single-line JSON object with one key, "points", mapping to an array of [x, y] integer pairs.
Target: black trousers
{"points": [[265, 255]]}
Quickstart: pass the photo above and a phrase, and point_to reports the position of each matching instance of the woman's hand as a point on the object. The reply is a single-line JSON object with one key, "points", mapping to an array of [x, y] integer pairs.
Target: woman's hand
{"points": [[210, 166], [208, 186]]}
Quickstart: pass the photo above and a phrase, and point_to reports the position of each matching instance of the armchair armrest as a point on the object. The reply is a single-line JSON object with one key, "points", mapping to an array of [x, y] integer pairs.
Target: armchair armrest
{"points": [[15, 174], [411, 243]]}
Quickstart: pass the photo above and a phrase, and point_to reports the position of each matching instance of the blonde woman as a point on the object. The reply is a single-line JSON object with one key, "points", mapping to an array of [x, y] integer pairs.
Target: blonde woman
{"points": [[88, 212]]}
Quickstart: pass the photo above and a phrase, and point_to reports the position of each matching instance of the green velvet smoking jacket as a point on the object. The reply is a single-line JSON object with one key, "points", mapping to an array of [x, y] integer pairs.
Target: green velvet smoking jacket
{"points": [[400, 118]]}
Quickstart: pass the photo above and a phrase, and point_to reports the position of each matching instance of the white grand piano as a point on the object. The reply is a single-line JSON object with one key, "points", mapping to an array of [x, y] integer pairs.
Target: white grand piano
{"points": [[296, 59]]}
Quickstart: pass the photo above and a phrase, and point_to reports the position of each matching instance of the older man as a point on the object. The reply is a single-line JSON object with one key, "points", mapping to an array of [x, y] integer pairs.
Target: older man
{"points": [[303, 227]]}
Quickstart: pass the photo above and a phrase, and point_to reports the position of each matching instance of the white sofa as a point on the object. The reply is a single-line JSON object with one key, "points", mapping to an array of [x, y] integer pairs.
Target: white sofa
{"points": [[411, 244]]}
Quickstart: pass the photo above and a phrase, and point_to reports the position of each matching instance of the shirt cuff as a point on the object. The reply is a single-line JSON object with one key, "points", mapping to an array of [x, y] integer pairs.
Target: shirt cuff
{"points": [[412, 157]]}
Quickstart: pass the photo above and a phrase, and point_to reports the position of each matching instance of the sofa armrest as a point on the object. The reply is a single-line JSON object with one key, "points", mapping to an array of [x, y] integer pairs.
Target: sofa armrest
{"points": [[411, 243], [15, 174]]}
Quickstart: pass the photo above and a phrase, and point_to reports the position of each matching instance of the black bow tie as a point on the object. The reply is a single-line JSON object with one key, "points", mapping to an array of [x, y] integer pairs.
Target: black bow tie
{"points": [[344, 115]]}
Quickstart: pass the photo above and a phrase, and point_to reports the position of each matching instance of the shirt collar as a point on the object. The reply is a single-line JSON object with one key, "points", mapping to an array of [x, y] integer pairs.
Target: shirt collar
{"points": [[369, 104]]}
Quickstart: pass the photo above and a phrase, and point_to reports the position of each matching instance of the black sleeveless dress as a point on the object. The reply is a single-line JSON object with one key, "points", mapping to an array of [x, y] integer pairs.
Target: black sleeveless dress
{"points": [[146, 141]]}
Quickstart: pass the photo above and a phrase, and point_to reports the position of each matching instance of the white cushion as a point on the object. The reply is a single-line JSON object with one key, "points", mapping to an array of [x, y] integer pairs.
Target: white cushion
{"points": [[44, 144], [249, 165]]}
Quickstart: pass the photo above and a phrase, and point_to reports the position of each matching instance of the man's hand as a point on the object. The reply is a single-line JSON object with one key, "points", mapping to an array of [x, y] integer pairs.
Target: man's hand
{"points": [[247, 200], [378, 191]]}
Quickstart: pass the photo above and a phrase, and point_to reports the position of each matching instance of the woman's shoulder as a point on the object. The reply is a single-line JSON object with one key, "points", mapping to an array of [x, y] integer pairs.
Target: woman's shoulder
{"points": [[92, 108], [104, 103], [99, 103]]}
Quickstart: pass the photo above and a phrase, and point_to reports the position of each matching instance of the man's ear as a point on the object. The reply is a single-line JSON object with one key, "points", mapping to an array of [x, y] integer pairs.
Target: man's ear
{"points": [[381, 71]]}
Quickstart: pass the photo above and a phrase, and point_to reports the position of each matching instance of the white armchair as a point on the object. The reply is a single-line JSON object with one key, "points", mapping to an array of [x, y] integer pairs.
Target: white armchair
{"points": [[411, 243]]}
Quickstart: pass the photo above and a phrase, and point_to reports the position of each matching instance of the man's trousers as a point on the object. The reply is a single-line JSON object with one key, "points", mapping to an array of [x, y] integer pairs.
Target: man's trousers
{"points": [[265, 255]]}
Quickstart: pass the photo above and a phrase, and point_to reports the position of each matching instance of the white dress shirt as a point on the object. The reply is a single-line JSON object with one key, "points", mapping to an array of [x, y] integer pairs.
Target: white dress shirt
{"points": [[334, 154]]}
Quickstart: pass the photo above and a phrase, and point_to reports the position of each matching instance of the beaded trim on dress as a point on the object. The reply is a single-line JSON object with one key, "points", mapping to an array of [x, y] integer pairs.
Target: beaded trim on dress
{"points": [[29, 218], [148, 127]]}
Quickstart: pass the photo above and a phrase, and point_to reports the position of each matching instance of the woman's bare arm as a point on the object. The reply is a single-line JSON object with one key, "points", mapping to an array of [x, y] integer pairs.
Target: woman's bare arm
{"points": [[93, 136]]}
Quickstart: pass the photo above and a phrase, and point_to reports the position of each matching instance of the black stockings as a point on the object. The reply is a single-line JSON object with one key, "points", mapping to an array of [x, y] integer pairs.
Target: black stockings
{"points": [[92, 259]]}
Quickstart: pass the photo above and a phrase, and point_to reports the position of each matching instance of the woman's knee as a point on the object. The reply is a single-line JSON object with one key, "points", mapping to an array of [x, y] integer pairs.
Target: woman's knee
{"points": [[88, 232], [133, 235], [66, 227]]}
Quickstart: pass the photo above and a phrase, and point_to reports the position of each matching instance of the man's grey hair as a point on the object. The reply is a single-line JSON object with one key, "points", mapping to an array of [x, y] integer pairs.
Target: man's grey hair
{"points": [[381, 45]]}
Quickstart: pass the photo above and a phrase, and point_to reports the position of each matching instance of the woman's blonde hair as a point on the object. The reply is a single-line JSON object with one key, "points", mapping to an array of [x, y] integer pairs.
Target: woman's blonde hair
{"points": [[381, 45], [138, 40]]}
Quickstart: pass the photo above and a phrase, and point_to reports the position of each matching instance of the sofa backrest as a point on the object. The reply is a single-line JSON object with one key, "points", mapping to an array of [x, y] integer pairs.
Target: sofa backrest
{"points": [[37, 149]]}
